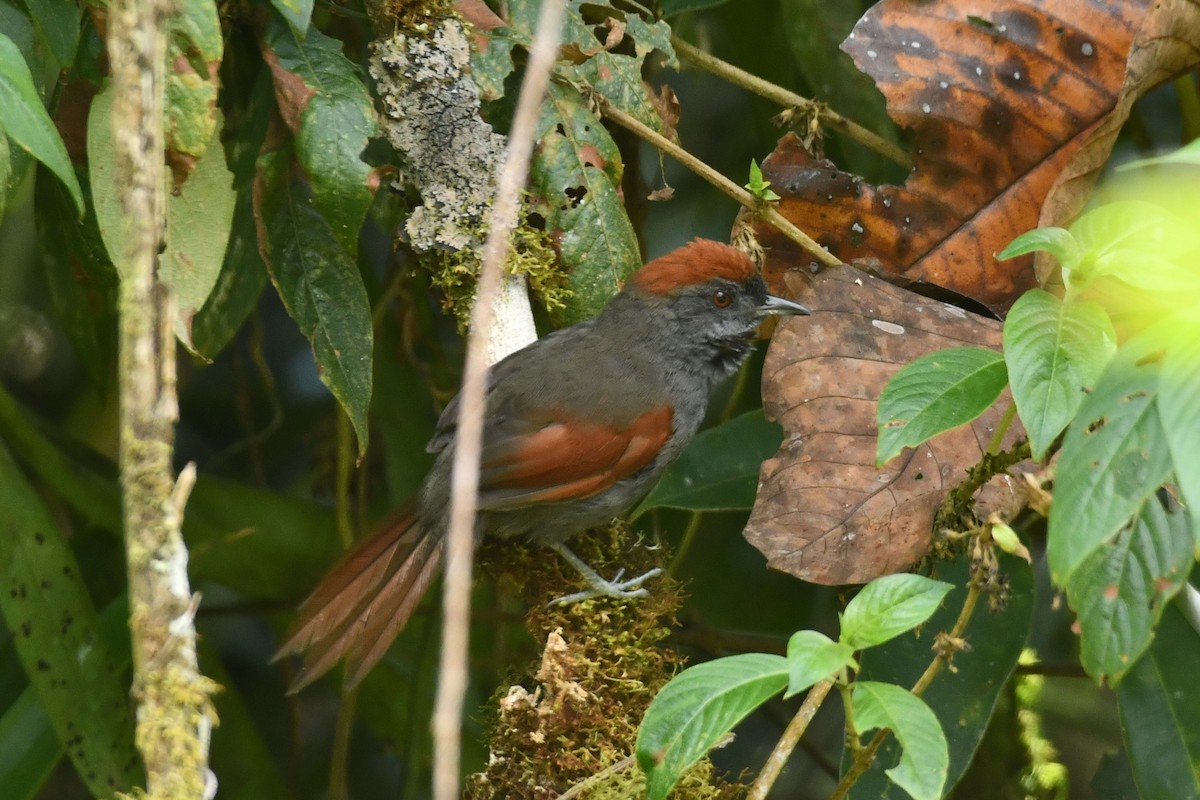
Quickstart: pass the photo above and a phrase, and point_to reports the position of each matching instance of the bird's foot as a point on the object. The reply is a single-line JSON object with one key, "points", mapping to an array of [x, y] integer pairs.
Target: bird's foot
{"points": [[598, 586], [616, 588]]}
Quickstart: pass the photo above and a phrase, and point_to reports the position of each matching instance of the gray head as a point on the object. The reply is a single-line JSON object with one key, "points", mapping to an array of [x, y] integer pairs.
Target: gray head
{"points": [[716, 294]]}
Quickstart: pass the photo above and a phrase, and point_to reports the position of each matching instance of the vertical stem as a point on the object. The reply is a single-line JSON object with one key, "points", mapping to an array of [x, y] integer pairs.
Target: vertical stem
{"points": [[788, 741], [460, 544], [174, 713]]}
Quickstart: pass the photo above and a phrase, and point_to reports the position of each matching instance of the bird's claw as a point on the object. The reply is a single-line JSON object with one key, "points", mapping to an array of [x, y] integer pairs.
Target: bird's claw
{"points": [[616, 589]]}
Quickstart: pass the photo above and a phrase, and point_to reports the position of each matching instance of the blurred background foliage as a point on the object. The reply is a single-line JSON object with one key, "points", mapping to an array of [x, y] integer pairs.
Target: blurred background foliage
{"points": [[264, 432]]}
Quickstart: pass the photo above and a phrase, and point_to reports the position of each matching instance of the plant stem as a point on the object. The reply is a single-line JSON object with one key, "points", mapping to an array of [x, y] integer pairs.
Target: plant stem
{"points": [[765, 211], [1006, 421], [788, 741], [777, 94], [685, 542], [339, 759], [866, 755], [464, 492]]}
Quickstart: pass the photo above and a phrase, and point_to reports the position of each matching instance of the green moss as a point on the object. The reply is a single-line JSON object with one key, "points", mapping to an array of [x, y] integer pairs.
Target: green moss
{"points": [[575, 718], [530, 254]]}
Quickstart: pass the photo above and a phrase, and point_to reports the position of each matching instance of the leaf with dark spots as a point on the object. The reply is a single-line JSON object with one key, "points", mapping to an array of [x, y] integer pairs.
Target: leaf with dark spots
{"points": [[72, 672], [824, 512], [999, 114]]}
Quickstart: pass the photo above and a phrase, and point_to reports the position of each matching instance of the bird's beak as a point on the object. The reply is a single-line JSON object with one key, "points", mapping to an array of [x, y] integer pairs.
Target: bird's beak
{"points": [[777, 306]]}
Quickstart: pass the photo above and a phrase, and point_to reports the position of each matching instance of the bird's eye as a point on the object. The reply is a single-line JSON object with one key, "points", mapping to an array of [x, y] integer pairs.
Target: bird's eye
{"points": [[722, 299]]}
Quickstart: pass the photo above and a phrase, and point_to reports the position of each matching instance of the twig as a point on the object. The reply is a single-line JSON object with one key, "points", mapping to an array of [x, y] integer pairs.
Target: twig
{"points": [[788, 741], [452, 684], [339, 761], [866, 755], [591, 780], [764, 210], [174, 716], [777, 94]]}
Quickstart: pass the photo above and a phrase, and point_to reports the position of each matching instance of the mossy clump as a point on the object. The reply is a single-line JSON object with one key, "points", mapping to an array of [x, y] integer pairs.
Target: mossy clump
{"points": [[576, 719], [530, 254]]}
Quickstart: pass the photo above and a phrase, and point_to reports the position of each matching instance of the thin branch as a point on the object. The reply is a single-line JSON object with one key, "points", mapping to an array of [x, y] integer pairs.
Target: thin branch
{"points": [[777, 94], [453, 672], [866, 755], [593, 780], [764, 210], [174, 716], [788, 741]]}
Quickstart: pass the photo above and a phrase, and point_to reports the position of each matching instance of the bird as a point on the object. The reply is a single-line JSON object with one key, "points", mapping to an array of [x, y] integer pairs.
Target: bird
{"points": [[578, 427]]}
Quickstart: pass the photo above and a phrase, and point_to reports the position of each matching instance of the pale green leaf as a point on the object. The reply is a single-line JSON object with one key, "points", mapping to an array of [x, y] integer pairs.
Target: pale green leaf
{"points": [[812, 657], [889, 606], [699, 706], [924, 758], [935, 393], [1055, 352]]}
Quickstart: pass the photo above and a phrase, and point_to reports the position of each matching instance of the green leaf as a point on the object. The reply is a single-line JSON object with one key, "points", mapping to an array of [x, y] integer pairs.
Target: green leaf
{"points": [[1116, 239], [70, 668], [199, 217], [670, 8], [26, 122], [1178, 399], [812, 657], [966, 698], [1113, 459], [6, 174], [297, 13], [757, 186], [888, 606], [81, 280], [1055, 352], [57, 25], [935, 393], [29, 748], [1058, 242], [243, 274], [699, 706], [239, 756], [574, 176], [320, 286], [492, 62], [266, 546], [925, 756], [719, 469], [322, 96], [1119, 592], [1160, 703], [194, 52]]}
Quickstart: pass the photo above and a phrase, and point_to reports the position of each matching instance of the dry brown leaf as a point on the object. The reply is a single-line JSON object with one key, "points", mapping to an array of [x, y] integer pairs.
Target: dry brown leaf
{"points": [[1005, 99], [1000, 96], [824, 513], [1166, 44]]}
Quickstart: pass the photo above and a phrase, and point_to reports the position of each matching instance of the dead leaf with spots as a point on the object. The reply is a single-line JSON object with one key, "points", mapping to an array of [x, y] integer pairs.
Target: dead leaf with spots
{"points": [[824, 513], [1001, 98], [1007, 101]]}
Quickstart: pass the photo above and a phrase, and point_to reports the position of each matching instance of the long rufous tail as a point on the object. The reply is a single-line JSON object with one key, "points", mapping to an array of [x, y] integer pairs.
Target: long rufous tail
{"points": [[364, 601]]}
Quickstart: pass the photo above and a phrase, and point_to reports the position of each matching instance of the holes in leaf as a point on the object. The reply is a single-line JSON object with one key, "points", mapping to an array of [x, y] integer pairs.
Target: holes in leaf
{"points": [[1096, 424], [575, 194], [1129, 398]]}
